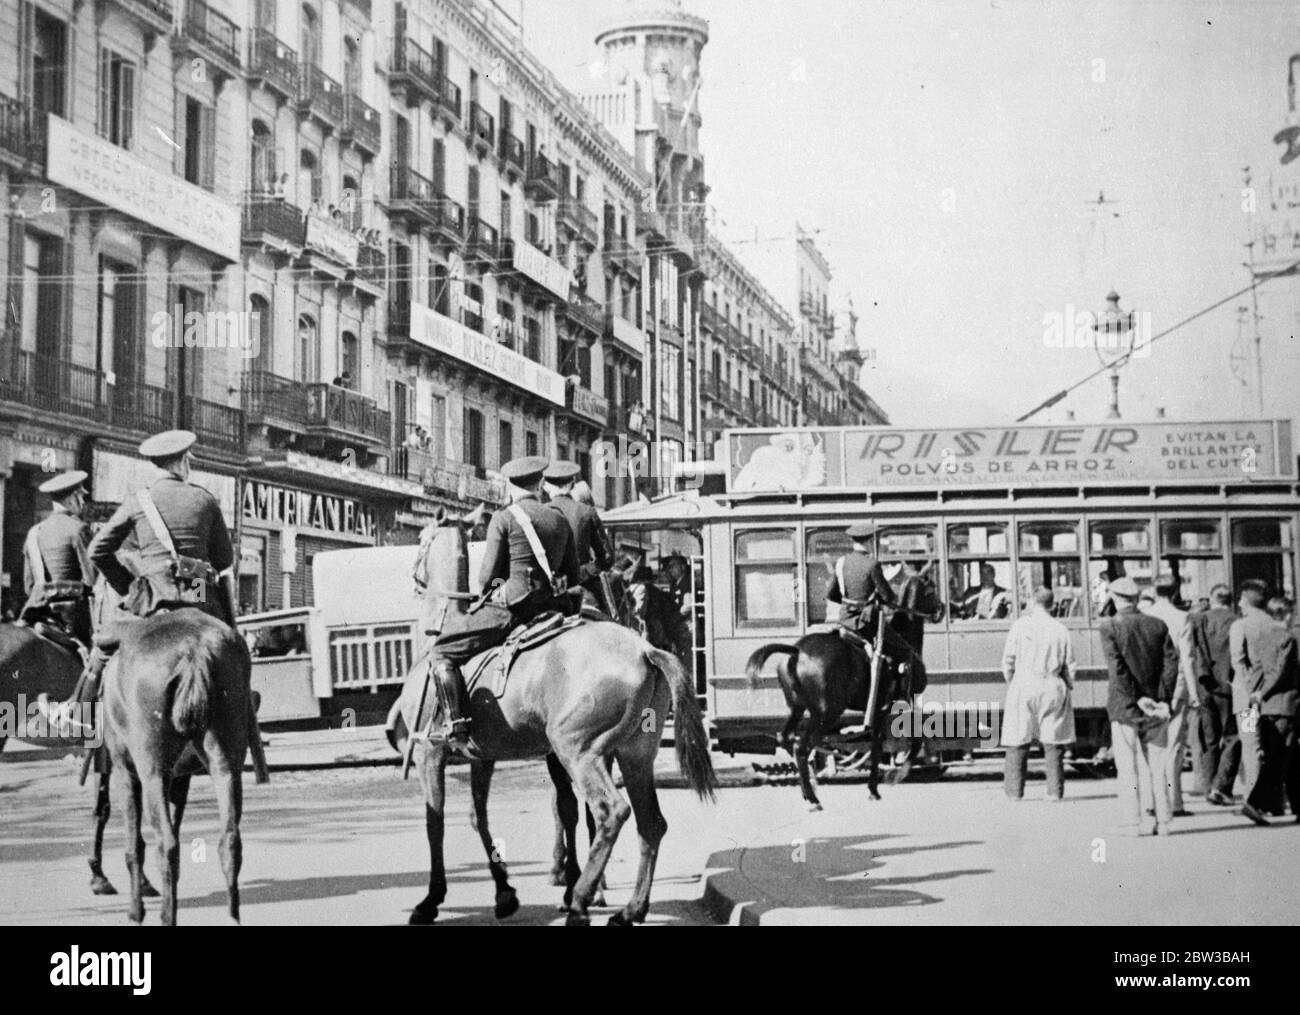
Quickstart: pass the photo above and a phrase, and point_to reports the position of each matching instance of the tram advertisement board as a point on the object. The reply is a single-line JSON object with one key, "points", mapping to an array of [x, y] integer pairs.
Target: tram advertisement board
{"points": [[871, 458]]}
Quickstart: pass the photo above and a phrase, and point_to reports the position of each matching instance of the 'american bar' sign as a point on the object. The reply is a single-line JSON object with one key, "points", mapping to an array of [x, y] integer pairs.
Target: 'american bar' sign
{"points": [[872, 458]]}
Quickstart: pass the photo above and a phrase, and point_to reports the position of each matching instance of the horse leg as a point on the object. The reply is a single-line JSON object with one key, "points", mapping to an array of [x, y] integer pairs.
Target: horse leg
{"points": [[599, 898], [803, 748], [791, 726], [157, 789], [480, 782], [611, 812], [432, 762], [126, 783], [564, 805], [639, 781], [99, 884]]}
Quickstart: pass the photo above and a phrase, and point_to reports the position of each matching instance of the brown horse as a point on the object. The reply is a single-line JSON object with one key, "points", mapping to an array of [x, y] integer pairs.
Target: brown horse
{"points": [[823, 675], [177, 699], [33, 667], [589, 695]]}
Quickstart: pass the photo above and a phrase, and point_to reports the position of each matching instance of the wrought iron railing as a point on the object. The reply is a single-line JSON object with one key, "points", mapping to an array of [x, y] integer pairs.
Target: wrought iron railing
{"points": [[212, 29], [266, 215], [272, 61], [319, 94]]}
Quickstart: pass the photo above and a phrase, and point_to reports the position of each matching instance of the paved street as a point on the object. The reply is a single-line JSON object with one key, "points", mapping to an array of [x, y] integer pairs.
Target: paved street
{"points": [[346, 846]]}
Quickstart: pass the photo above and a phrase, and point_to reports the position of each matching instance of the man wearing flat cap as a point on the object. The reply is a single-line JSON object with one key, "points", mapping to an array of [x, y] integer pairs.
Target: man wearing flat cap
{"points": [[528, 563], [589, 539], [183, 543], [858, 584], [58, 572], [1144, 672]]}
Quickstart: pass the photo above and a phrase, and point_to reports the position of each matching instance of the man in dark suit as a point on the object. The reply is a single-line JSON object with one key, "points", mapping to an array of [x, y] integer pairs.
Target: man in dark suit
{"points": [[858, 584], [590, 542], [58, 574], [1143, 664], [519, 583], [1217, 725]]}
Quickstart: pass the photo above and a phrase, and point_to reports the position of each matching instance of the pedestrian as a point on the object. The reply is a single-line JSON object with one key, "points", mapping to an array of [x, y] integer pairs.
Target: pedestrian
{"points": [[1187, 695], [1216, 721], [1258, 663], [1143, 665], [1283, 731], [1038, 666]]}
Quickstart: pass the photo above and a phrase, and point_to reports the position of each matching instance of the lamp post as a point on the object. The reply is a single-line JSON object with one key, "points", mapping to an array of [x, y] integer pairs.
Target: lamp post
{"points": [[1111, 327]]}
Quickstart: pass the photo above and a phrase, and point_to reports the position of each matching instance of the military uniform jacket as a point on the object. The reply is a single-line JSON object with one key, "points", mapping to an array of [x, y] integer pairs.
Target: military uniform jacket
{"points": [[62, 541], [509, 568], [589, 539], [1143, 663], [193, 519], [864, 582]]}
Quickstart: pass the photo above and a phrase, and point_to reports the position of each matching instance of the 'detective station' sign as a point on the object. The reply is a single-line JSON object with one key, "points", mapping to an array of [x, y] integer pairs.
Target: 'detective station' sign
{"points": [[871, 458]]}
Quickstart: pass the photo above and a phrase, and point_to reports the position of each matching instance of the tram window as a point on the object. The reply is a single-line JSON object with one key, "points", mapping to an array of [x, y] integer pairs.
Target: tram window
{"points": [[823, 548], [979, 576], [1117, 549], [1262, 549], [766, 571], [1049, 557], [1192, 551], [907, 550]]}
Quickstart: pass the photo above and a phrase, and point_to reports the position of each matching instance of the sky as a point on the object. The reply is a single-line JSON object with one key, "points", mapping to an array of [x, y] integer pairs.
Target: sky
{"points": [[950, 156]]}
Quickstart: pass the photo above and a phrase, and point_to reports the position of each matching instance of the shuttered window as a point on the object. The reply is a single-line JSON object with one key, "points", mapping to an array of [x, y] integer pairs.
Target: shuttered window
{"points": [[116, 98], [196, 141]]}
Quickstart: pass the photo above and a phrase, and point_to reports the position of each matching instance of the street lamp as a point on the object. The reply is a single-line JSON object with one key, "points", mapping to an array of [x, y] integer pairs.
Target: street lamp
{"points": [[1111, 327]]}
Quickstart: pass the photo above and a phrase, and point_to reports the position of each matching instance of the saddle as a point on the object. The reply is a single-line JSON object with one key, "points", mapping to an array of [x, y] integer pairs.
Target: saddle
{"points": [[57, 636], [492, 668]]}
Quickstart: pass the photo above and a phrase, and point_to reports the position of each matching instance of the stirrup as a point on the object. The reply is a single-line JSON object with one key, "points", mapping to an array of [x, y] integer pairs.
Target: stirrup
{"points": [[456, 732]]}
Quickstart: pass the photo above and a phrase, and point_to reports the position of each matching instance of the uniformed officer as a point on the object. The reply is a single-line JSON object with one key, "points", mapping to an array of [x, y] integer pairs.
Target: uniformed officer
{"points": [[183, 543], [518, 585], [590, 542], [59, 574], [859, 584]]}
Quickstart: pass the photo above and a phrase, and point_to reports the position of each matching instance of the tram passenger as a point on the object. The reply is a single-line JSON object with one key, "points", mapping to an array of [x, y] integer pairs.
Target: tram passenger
{"points": [[989, 601], [858, 584]]}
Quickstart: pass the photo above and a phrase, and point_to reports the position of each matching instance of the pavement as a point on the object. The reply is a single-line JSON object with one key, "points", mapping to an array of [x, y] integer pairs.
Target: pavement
{"points": [[345, 845]]}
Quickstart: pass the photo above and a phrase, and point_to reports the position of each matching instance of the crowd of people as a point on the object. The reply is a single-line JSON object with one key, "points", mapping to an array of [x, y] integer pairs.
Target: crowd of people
{"points": [[1224, 682]]}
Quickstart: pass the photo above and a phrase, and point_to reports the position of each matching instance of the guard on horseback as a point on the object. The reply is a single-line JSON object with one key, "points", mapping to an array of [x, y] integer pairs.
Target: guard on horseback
{"points": [[859, 586], [59, 574], [590, 542], [529, 566]]}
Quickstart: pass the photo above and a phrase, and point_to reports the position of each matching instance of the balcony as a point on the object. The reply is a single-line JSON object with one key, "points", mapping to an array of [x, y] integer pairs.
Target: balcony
{"points": [[319, 97], [414, 463], [625, 334], [22, 134], [621, 255], [372, 270], [414, 72], [484, 242], [219, 426], [711, 320], [653, 225], [209, 35], [542, 183], [346, 415], [412, 197], [580, 220], [482, 129], [361, 127], [449, 104], [272, 223], [584, 312], [155, 15], [272, 64], [514, 158], [269, 399]]}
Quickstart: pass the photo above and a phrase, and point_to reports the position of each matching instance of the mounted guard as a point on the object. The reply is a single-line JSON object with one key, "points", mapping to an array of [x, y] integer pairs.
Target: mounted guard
{"points": [[858, 585], [58, 573], [590, 542]]}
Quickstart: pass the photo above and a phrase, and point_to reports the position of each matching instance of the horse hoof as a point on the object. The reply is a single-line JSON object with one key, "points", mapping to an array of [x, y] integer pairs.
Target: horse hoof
{"points": [[619, 919], [814, 807], [148, 891], [102, 886], [575, 919], [557, 877], [598, 900], [422, 917], [507, 904]]}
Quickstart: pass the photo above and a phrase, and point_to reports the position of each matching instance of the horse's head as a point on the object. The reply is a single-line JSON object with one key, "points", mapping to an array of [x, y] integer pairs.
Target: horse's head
{"points": [[442, 566], [920, 595]]}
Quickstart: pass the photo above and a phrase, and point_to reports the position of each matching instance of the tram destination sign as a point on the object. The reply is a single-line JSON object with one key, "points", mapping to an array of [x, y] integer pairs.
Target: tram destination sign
{"points": [[874, 458]]}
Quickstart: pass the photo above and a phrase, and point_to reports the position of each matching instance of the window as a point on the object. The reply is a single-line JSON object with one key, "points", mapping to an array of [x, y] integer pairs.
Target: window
{"points": [[49, 67], [824, 547], [262, 160], [1192, 551], [533, 229], [349, 361], [260, 327], [1049, 557], [309, 177], [440, 290], [1117, 549], [185, 365], [117, 323], [531, 443], [533, 339], [195, 157], [505, 442], [351, 67], [473, 450], [472, 306], [503, 330], [766, 570], [42, 295], [116, 98], [309, 37], [670, 366], [438, 429], [1262, 549], [305, 365], [979, 571], [350, 204]]}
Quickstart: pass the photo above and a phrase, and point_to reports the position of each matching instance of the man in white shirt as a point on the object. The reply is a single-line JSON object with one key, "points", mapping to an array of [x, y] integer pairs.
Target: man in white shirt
{"points": [[1187, 695], [1038, 665]]}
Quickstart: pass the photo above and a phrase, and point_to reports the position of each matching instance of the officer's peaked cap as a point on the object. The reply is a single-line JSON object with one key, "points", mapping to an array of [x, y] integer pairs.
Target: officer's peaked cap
{"points": [[524, 471], [562, 472], [63, 484], [168, 444]]}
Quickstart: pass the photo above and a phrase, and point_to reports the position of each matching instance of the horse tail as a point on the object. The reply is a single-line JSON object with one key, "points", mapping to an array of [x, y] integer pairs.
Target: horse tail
{"points": [[192, 697], [756, 662], [689, 735]]}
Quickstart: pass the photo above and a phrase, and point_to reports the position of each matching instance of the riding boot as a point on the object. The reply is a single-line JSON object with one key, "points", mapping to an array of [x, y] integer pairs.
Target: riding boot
{"points": [[455, 725]]}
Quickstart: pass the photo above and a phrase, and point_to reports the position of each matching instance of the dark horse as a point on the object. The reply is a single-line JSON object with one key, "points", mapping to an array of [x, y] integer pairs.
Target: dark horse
{"points": [[825, 675]]}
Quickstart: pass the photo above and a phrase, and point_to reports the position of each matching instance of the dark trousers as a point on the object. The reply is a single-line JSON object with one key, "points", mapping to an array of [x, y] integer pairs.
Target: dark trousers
{"points": [[1220, 742], [1017, 765], [465, 635], [1278, 775]]}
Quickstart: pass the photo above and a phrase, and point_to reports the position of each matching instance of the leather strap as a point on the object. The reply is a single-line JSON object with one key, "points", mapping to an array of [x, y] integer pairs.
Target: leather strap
{"points": [[156, 523], [533, 541], [35, 562]]}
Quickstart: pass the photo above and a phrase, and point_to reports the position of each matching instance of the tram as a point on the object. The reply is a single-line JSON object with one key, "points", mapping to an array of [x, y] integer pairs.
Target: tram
{"points": [[993, 512]]}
